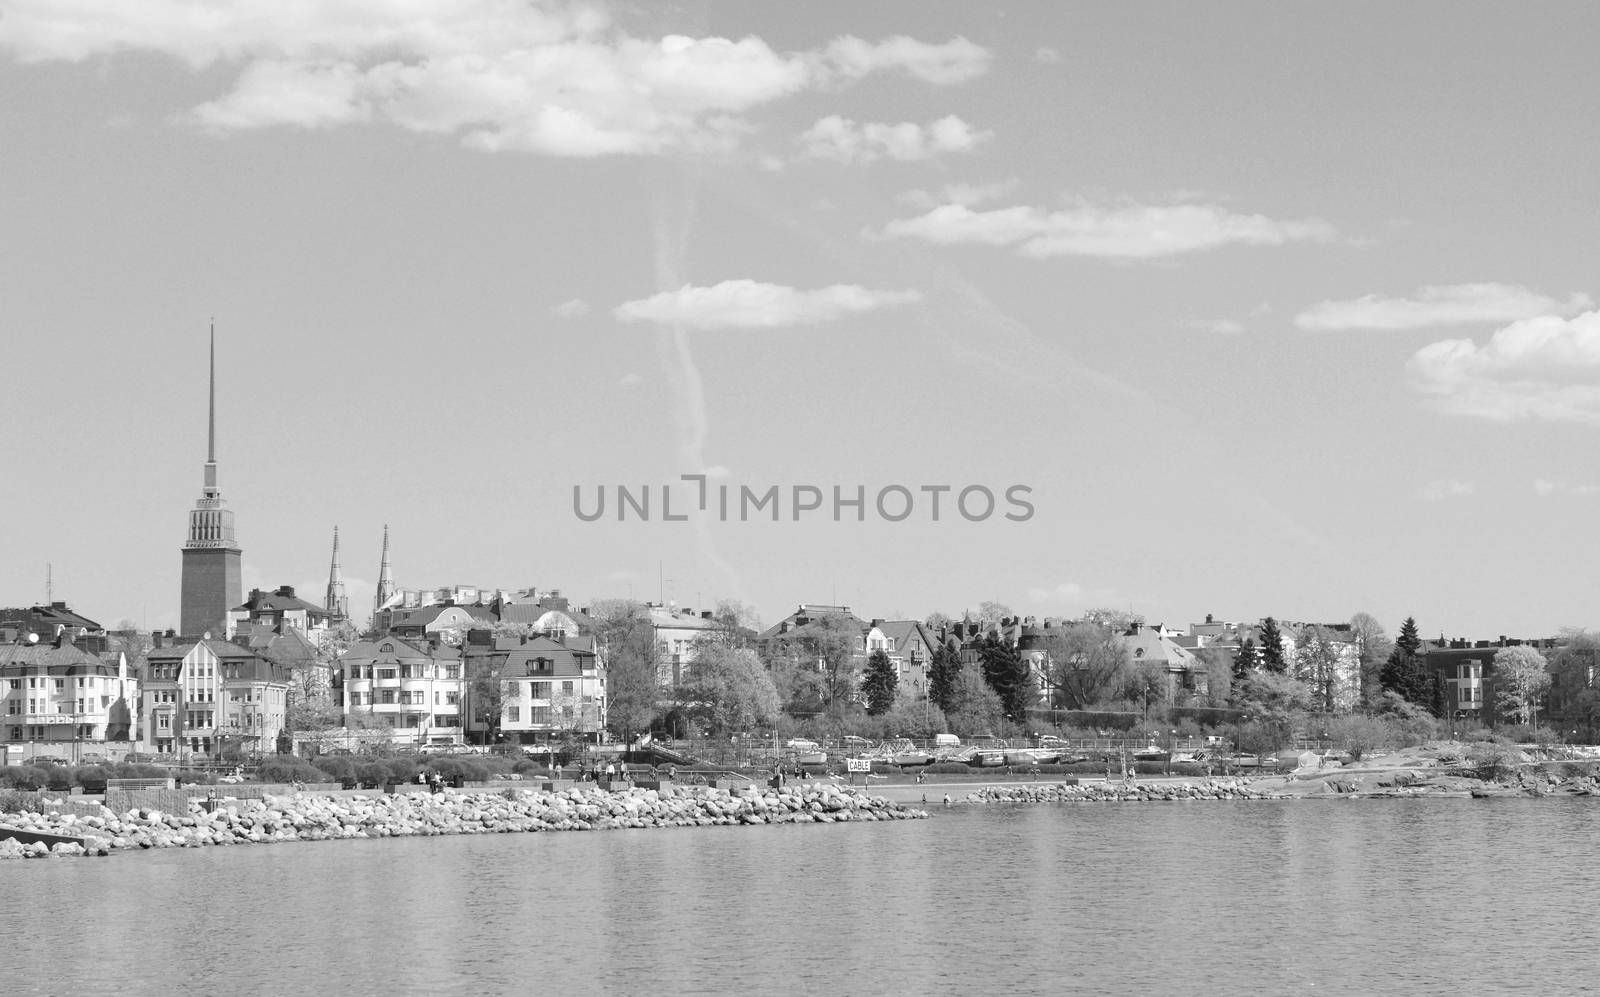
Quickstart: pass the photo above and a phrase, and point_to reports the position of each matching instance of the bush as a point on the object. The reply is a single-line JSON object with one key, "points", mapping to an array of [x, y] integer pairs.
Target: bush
{"points": [[16, 801], [527, 766], [286, 768], [1495, 761], [138, 770], [58, 778], [25, 777], [374, 774], [91, 774], [336, 767]]}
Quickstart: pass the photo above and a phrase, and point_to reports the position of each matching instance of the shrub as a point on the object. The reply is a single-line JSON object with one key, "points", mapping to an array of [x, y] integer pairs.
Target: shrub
{"points": [[401, 768], [374, 773], [88, 774], [337, 767], [287, 768], [1494, 761], [526, 766], [16, 801], [25, 777], [58, 778]]}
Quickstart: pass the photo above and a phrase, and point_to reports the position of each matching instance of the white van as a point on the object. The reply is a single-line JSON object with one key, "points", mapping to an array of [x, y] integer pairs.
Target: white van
{"points": [[946, 741]]}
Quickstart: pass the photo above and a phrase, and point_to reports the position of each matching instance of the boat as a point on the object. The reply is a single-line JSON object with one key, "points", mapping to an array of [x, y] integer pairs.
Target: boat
{"points": [[808, 758], [987, 758], [1151, 753], [902, 751]]}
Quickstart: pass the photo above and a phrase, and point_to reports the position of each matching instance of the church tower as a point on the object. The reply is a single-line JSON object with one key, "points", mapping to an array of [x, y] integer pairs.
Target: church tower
{"points": [[335, 602], [211, 579], [386, 589]]}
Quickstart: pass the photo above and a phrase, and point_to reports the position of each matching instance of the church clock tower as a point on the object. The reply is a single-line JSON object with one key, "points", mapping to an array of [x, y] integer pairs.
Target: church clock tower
{"points": [[211, 579]]}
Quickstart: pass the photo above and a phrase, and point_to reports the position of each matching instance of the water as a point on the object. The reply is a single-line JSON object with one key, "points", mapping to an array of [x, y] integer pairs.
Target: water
{"points": [[1337, 897]]}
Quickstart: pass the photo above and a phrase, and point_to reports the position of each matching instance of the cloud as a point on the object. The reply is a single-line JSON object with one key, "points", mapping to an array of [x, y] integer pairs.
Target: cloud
{"points": [[1046, 55], [1445, 488], [1219, 326], [558, 79], [575, 308], [1538, 368], [1124, 231], [630, 380], [1071, 594], [736, 304], [968, 194], [1440, 304], [844, 141], [1545, 488]]}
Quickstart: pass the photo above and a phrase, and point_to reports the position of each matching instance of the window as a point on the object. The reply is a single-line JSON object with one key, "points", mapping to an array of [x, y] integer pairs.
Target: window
{"points": [[453, 698], [385, 673], [386, 648], [14, 707], [539, 690], [514, 714], [386, 696], [566, 688]]}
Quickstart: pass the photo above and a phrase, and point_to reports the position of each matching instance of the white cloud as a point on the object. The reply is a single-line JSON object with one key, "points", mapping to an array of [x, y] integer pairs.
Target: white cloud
{"points": [[1124, 231], [575, 308], [1545, 488], [844, 141], [750, 304], [1442, 304], [1445, 488], [968, 194], [1219, 326], [503, 74], [1538, 368]]}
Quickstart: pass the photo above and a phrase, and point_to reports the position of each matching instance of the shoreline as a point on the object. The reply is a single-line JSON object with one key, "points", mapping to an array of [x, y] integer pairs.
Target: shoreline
{"points": [[319, 817]]}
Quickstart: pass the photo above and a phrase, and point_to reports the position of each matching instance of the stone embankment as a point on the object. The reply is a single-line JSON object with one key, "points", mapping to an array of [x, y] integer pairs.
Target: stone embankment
{"points": [[1100, 792], [306, 817]]}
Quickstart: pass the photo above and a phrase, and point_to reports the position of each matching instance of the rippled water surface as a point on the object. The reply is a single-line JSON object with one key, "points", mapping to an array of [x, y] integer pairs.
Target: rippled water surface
{"points": [[1304, 897]]}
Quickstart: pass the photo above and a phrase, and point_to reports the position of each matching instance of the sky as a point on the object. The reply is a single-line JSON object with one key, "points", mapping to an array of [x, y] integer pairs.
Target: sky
{"points": [[1238, 309]]}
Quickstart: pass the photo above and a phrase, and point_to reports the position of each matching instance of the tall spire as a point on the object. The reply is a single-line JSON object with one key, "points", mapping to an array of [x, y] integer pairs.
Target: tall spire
{"points": [[336, 603], [385, 578], [211, 421]]}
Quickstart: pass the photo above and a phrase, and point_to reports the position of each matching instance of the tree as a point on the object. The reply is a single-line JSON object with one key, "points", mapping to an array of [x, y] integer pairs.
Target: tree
{"points": [[829, 643], [936, 619], [1247, 661], [974, 707], [627, 644], [1373, 647], [1521, 678], [1275, 694], [1009, 676], [1404, 672], [1358, 734], [1272, 647], [879, 683], [943, 670], [990, 611], [1316, 664], [1217, 665], [728, 689], [1088, 665]]}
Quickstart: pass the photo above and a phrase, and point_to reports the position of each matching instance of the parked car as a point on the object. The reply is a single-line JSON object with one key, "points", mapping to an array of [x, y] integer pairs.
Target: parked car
{"points": [[801, 744], [48, 760]]}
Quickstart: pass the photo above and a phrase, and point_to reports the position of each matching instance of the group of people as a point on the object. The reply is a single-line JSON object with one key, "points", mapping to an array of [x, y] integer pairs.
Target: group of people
{"points": [[433, 780]]}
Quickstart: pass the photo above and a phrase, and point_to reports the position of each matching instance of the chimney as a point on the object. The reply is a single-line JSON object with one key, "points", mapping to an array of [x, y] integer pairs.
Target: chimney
{"points": [[1208, 617], [705, 614], [877, 621]]}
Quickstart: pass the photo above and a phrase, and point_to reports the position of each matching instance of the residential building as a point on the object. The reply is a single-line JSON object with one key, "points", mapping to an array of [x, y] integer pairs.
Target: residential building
{"points": [[910, 645], [414, 687], [57, 694], [1465, 672], [210, 697], [550, 690], [678, 631], [280, 610], [211, 573]]}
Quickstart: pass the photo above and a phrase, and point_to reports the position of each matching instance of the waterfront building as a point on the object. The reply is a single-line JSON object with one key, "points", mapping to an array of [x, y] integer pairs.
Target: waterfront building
{"points": [[414, 687], [677, 632], [549, 690], [61, 697], [211, 574], [212, 697]]}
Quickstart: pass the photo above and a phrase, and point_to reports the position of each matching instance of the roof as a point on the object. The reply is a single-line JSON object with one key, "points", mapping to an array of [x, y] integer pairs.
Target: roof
{"points": [[1147, 644], [67, 658], [281, 600], [902, 632], [43, 619]]}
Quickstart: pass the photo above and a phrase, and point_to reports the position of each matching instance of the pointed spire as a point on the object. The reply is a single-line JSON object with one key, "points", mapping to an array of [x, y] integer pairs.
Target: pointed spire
{"points": [[385, 578], [336, 603], [211, 421]]}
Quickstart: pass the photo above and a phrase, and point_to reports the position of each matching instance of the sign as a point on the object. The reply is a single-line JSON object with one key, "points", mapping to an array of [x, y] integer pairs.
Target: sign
{"points": [[858, 765]]}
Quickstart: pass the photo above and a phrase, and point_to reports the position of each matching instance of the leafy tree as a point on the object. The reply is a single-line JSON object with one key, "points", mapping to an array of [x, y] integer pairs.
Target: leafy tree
{"points": [[879, 683], [1272, 647], [1521, 678], [1119, 620], [829, 643], [1275, 694], [974, 706], [1089, 665], [943, 670], [627, 644], [936, 619], [1373, 647], [990, 611], [1217, 665], [1358, 734], [728, 689], [1316, 664]]}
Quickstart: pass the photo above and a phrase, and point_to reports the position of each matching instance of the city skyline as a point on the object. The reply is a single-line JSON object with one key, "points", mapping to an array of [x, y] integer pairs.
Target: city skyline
{"points": [[1273, 312]]}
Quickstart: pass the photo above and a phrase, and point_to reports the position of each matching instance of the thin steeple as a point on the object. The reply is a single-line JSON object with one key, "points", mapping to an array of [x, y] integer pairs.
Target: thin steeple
{"points": [[336, 603], [211, 420], [385, 578]]}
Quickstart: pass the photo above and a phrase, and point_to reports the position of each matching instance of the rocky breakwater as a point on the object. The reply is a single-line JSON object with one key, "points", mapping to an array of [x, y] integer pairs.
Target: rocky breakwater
{"points": [[305, 817], [1100, 792]]}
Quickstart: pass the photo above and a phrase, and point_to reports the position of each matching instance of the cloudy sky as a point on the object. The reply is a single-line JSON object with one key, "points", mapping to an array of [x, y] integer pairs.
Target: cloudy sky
{"points": [[1270, 310]]}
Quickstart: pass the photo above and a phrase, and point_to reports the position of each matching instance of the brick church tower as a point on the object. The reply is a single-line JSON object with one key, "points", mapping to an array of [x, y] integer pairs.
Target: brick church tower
{"points": [[211, 580]]}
